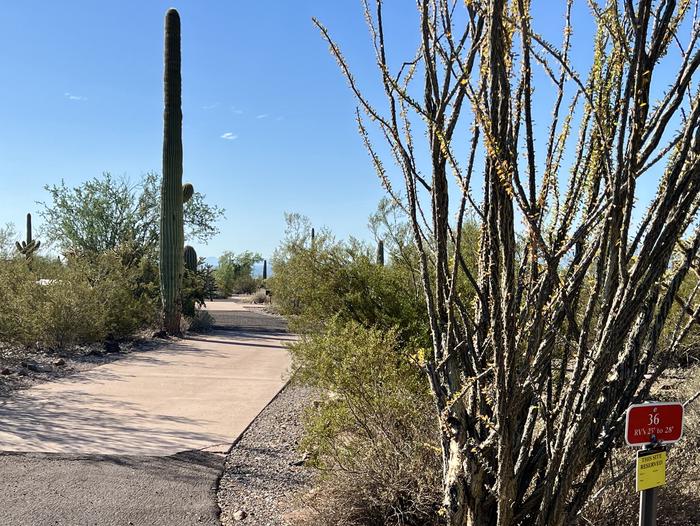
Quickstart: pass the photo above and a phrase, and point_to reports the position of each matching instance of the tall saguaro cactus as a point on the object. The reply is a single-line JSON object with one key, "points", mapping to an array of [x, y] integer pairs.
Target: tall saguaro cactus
{"points": [[172, 236]]}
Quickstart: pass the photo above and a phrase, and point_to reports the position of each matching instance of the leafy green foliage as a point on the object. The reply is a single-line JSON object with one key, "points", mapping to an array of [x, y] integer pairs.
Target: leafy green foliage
{"points": [[8, 234], [84, 300], [197, 287], [340, 280], [107, 211], [373, 433], [234, 273]]}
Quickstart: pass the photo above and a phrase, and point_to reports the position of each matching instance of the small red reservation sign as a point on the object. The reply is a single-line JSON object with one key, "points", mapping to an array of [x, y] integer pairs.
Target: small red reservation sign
{"points": [[663, 420]]}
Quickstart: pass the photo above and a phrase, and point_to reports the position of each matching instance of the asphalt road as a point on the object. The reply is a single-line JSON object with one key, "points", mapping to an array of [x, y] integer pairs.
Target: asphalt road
{"points": [[43, 489], [46, 489]]}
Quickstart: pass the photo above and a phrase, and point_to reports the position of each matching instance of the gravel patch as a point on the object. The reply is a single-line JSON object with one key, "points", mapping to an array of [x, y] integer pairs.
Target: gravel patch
{"points": [[22, 368], [264, 474]]}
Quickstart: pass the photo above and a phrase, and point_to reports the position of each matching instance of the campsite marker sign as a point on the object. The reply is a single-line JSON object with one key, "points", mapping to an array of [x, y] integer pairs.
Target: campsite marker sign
{"points": [[652, 425], [654, 422]]}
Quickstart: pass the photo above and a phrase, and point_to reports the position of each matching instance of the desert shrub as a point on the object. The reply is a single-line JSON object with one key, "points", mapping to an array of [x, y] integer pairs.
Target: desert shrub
{"points": [[246, 285], [84, 300], [259, 297], [96, 298], [201, 321], [20, 295], [193, 291], [372, 436], [338, 279]]}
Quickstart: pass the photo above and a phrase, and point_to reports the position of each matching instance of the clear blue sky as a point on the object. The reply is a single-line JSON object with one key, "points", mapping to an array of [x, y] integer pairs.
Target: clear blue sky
{"points": [[82, 94]]}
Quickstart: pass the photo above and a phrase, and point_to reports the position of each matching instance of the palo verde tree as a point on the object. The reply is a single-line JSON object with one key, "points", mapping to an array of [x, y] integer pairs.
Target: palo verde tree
{"points": [[575, 279]]}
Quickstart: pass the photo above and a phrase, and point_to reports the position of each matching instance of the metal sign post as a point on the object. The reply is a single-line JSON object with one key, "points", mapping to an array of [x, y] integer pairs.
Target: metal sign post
{"points": [[647, 507]]}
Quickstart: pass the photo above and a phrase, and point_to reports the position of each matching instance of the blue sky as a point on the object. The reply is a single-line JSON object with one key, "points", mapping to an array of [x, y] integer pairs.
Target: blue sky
{"points": [[82, 94], [268, 120]]}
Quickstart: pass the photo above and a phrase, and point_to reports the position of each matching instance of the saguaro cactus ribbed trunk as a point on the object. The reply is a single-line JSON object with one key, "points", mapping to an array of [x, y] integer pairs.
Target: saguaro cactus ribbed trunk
{"points": [[380, 253], [172, 236], [29, 228]]}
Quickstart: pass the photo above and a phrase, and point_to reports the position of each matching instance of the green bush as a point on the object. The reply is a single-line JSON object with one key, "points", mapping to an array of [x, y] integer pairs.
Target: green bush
{"points": [[336, 279], [246, 285], [373, 435], [86, 299]]}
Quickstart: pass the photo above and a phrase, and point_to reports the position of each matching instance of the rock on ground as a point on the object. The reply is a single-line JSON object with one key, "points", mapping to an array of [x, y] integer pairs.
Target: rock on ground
{"points": [[264, 474]]}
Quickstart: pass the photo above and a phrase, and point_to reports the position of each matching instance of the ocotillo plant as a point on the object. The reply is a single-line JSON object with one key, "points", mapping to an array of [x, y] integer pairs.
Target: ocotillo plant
{"points": [[264, 269], [172, 192], [30, 246], [380, 252], [190, 258]]}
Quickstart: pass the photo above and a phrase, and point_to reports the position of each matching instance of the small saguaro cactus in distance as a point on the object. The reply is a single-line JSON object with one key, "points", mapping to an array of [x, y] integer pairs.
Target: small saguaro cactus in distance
{"points": [[172, 193], [29, 247], [313, 237], [380, 252], [190, 258], [264, 269]]}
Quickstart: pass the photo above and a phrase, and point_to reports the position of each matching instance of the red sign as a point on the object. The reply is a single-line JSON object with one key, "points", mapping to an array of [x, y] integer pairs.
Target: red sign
{"points": [[654, 422]]}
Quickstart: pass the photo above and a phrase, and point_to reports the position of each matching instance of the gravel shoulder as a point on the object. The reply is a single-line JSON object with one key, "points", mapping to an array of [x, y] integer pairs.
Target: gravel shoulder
{"points": [[264, 474]]}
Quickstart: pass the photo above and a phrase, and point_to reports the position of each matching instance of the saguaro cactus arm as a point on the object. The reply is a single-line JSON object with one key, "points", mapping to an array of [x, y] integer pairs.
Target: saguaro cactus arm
{"points": [[190, 258], [187, 192]]}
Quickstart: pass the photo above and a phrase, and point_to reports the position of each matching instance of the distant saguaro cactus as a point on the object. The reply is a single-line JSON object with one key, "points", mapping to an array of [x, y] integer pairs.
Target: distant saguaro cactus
{"points": [[172, 192], [29, 247], [380, 252], [313, 237], [264, 269], [190, 258]]}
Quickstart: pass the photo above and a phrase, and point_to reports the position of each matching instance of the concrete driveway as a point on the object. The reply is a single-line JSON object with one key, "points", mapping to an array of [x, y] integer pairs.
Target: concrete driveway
{"points": [[139, 440]]}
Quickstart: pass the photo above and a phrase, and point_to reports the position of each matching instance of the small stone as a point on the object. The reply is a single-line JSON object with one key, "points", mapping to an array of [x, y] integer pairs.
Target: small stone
{"points": [[5, 371], [239, 515], [37, 367], [301, 461], [60, 362]]}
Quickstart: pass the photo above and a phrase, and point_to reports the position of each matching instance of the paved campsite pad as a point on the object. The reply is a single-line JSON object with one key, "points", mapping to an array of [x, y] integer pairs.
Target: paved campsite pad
{"points": [[197, 393], [114, 445]]}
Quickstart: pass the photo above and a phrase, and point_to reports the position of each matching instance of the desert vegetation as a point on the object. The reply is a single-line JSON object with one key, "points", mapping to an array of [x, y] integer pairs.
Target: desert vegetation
{"points": [[547, 297]]}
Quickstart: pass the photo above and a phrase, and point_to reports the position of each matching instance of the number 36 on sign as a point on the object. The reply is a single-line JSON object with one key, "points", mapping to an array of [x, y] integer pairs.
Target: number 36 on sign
{"points": [[654, 422]]}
